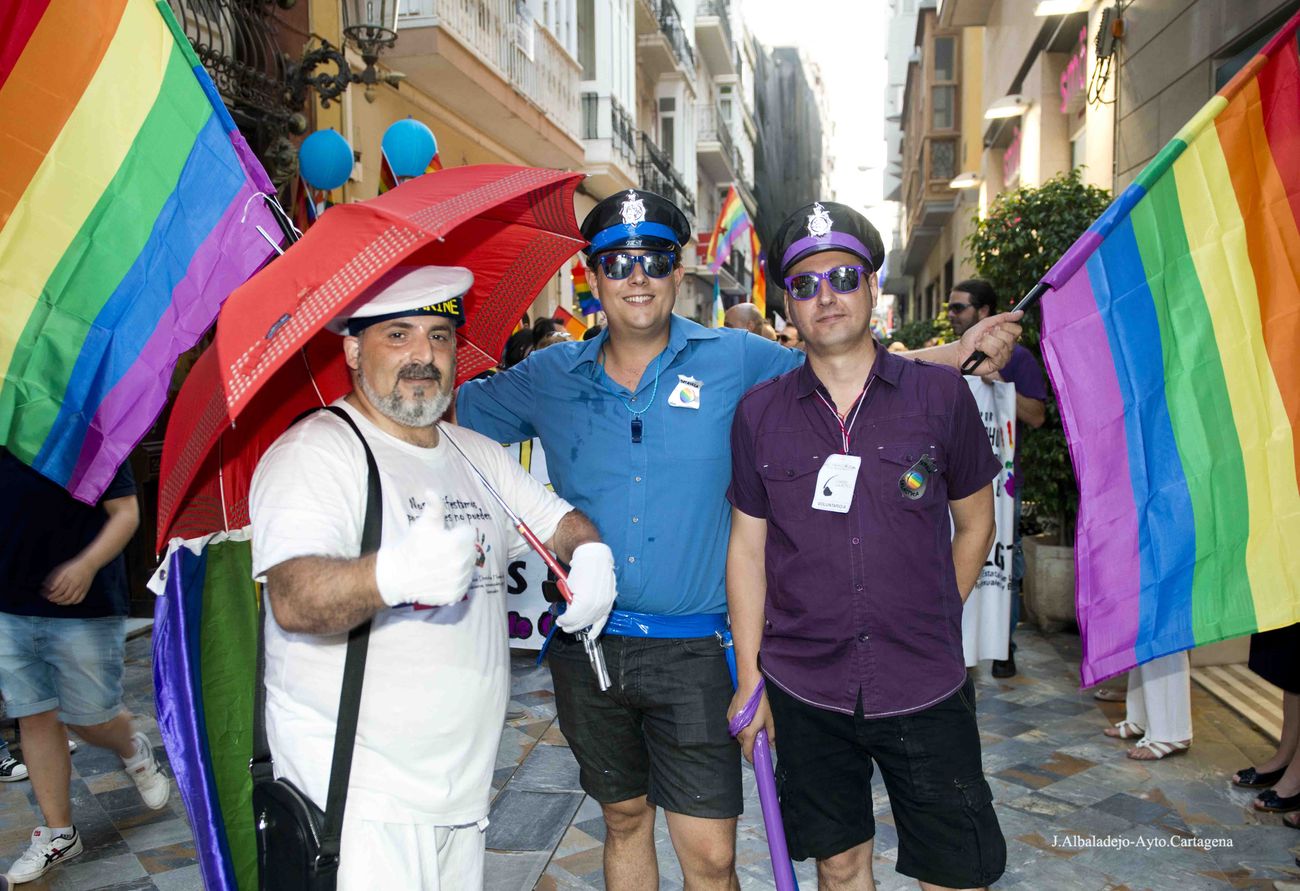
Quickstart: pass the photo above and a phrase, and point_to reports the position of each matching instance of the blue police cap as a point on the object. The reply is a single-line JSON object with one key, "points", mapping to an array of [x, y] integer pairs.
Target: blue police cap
{"points": [[635, 219]]}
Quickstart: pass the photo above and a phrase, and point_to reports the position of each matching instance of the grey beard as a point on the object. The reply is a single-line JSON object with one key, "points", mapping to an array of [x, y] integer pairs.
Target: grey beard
{"points": [[413, 412]]}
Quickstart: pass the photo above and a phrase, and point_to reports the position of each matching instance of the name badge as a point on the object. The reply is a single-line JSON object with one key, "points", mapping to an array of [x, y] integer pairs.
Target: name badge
{"points": [[835, 483], [686, 394]]}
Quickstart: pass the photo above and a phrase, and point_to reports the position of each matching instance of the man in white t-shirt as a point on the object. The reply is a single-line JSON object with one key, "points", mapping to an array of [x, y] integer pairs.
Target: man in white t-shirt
{"points": [[437, 675]]}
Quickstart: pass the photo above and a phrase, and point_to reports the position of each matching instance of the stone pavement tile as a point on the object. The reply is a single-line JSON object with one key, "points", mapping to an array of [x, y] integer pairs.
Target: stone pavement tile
{"points": [[594, 827], [1133, 807], [553, 736], [1041, 805], [107, 782], [583, 863], [547, 769], [558, 879], [167, 858], [513, 872], [530, 821], [1027, 775], [84, 875], [156, 835], [187, 878], [514, 747], [575, 841]]}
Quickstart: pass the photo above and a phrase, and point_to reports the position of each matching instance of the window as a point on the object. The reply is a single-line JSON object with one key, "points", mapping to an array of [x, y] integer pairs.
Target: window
{"points": [[725, 95], [943, 90], [1079, 150], [667, 109], [944, 51], [943, 159], [587, 38], [942, 115]]}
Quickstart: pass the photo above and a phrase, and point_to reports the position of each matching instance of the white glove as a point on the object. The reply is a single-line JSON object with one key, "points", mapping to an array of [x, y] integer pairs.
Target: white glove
{"points": [[431, 564], [591, 579]]}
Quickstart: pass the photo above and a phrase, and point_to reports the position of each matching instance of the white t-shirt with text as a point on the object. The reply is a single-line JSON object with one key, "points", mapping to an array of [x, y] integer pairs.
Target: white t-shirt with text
{"points": [[436, 680]]}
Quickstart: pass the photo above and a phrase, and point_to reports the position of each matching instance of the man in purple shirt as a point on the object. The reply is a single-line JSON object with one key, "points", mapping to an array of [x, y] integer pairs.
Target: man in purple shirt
{"points": [[969, 302], [844, 568]]}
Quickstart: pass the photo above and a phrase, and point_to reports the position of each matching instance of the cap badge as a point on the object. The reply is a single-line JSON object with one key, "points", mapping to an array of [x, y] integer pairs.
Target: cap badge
{"points": [[633, 210], [819, 224]]}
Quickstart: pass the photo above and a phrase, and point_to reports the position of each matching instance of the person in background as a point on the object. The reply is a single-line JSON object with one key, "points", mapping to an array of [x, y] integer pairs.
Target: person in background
{"points": [[744, 316], [63, 608], [970, 301], [789, 336]]}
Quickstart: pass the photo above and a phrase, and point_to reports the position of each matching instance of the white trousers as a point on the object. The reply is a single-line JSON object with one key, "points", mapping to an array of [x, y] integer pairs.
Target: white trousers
{"points": [[1160, 698], [410, 857]]}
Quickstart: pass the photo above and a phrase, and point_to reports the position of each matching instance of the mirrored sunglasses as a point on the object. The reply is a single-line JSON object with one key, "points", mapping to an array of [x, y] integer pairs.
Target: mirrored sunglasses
{"points": [[842, 279], [618, 266]]}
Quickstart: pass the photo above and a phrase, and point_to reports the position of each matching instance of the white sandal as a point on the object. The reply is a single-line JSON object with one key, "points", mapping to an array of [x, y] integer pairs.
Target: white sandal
{"points": [[1124, 730], [1158, 749]]}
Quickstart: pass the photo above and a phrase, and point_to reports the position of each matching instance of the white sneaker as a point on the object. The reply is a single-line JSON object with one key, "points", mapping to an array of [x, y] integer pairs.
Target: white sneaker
{"points": [[12, 770], [144, 771], [72, 746], [45, 853]]}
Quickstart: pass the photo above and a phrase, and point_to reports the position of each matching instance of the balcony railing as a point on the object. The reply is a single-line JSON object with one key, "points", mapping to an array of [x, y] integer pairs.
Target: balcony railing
{"points": [[670, 23], [236, 43], [522, 52], [604, 117], [721, 9], [658, 175], [712, 127]]}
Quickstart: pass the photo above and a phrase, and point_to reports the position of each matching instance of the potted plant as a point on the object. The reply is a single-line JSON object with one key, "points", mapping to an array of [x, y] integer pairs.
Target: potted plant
{"points": [[1024, 233]]}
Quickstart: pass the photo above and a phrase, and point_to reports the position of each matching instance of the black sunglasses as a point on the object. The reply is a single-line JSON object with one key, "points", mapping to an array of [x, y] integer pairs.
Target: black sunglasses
{"points": [[842, 279], [656, 264], [958, 307]]}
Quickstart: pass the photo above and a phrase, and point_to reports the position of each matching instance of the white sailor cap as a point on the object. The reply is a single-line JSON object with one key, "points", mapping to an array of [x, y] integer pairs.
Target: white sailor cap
{"points": [[409, 291]]}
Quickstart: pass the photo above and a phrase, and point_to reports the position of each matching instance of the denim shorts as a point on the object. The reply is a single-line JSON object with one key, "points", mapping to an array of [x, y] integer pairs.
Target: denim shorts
{"points": [[74, 665], [948, 833], [661, 729]]}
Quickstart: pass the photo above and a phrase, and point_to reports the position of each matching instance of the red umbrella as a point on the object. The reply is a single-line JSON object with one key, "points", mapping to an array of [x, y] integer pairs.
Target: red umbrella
{"points": [[272, 360]]}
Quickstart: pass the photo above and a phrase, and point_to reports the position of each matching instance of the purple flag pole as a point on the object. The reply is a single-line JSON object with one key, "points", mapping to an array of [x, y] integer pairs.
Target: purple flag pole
{"points": [[782, 869]]}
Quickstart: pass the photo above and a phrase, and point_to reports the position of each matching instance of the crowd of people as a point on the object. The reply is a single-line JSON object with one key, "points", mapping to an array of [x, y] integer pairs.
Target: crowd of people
{"points": [[801, 510]]}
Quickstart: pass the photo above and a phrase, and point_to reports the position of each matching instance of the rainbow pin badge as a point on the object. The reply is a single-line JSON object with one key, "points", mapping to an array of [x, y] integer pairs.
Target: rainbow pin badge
{"points": [[916, 478]]}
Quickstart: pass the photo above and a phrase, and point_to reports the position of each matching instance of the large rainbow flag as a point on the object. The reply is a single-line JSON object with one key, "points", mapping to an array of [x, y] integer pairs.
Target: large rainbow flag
{"points": [[1173, 341], [127, 214], [733, 222]]}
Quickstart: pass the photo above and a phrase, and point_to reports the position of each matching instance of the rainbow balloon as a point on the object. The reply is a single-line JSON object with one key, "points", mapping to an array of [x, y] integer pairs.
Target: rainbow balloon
{"points": [[1173, 341], [126, 217]]}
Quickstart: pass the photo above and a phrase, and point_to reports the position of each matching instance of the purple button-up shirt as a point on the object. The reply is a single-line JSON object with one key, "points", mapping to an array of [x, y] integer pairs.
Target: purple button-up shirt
{"points": [[863, 603]]}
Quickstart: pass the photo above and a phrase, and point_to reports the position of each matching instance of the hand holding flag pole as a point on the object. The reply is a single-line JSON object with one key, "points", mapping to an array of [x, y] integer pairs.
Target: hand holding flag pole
{"points": [[595, 655], [1026, 303], [782, 869]]}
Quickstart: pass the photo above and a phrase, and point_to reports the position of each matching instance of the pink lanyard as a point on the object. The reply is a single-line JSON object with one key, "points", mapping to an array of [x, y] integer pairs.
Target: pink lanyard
{"points": [[845, 430]]}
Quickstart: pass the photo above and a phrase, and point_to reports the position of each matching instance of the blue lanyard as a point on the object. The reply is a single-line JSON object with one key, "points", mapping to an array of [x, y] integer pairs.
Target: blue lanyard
{"points": [[637, 413]]}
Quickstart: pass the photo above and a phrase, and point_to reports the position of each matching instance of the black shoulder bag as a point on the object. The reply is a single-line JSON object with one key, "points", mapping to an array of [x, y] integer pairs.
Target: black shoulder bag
{"points": [[297, 843]]}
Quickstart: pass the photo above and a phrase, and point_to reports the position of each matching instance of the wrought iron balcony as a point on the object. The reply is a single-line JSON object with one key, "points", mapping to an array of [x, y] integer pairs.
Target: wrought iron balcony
{"points": [[658, 175], [717, 151], [663, 44], [714, 37]]}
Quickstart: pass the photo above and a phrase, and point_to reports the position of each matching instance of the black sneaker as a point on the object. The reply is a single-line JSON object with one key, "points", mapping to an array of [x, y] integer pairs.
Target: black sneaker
{"points": [[1005, 668], [12, 770]]}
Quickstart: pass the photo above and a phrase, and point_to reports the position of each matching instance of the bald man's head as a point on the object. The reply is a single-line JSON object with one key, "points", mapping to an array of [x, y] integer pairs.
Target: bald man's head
{"points": [[745, 316]]}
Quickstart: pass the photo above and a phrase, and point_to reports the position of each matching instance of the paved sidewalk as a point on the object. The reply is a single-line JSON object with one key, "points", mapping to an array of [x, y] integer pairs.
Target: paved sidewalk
{"points": [[1053, 775]]}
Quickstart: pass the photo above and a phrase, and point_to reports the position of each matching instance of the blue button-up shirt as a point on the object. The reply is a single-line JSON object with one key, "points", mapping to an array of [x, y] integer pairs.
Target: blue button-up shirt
{"points": [[660, 504]]}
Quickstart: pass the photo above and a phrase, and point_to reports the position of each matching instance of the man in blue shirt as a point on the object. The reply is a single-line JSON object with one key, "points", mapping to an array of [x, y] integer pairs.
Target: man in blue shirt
{"points": [[636, 427]]}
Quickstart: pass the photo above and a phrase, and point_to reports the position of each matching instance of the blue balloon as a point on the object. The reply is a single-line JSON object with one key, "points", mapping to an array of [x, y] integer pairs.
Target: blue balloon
{"points": [[325, 160], [410, 147]]}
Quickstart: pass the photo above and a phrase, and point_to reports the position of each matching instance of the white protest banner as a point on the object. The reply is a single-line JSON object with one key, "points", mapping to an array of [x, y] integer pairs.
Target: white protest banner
{"points": [[529, 617], [986, 618]]}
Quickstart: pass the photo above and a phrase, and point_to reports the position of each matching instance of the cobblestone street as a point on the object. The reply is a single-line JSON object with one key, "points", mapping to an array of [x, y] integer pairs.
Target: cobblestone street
{"points": [[1056, 780]]}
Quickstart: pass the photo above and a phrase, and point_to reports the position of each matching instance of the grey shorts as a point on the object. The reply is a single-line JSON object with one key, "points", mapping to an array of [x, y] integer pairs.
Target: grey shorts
{"points": [[659, 731]]}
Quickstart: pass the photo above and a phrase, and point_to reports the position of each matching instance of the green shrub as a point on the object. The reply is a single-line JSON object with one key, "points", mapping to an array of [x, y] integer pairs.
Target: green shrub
{"points": [[1026, 231]]}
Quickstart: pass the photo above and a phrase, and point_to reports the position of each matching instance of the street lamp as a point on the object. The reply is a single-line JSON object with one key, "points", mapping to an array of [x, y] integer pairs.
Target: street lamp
{"points": [[1007, 107], [967, 180], [371, 25]]}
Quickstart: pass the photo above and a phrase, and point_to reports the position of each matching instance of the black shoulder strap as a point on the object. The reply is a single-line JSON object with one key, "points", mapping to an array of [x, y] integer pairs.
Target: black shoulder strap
{"points": [[345, 735]]}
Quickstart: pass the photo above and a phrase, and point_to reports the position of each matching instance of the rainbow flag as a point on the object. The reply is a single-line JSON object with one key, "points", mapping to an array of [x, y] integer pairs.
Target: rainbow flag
{"points": [[305, 206], [758, 296], [587, 301], [1173, 341], [733, 222], [719, 311], [128, 212], [205, 667], [571, 323], [387, 178]]}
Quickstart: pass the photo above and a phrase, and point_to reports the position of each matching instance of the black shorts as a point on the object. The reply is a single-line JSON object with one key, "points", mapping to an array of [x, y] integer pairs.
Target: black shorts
{"points": [[659, 731], [948, 833]]}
